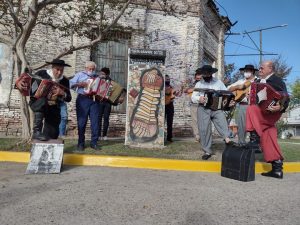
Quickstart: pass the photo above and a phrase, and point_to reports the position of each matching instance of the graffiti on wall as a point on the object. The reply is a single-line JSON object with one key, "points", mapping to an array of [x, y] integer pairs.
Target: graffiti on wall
{"points": [[145, 106]]}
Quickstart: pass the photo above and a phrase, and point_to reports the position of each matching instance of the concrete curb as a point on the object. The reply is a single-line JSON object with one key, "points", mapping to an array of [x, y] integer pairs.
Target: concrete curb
{"points": [[143, 163]]}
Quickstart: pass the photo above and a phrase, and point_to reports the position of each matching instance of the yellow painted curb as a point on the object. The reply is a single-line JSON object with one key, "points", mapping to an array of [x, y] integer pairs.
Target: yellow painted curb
{"points": [[144, 163]]}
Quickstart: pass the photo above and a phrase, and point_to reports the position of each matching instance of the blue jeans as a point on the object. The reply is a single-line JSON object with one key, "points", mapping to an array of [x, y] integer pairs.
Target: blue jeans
{"points": [[63, 118], [87, 108]]}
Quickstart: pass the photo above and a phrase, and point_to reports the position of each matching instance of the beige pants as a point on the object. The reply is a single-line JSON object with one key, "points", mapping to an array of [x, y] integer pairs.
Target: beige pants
{"points": [[194, 108]]}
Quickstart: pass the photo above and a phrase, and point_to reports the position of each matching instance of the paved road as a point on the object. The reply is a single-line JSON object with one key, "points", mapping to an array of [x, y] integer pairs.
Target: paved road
{"points": [[116, 196]]}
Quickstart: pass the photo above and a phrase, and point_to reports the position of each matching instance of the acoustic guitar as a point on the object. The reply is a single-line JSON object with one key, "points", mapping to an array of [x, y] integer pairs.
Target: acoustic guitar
{"points": [[169, 95], [241, 94]]}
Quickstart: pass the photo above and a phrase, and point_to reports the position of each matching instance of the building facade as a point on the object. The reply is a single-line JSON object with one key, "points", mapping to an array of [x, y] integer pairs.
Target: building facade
{"points": [[192, 36]]}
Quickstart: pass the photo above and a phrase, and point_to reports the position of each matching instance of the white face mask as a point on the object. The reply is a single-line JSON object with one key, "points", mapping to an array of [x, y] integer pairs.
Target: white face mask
{"points": [[247, 74], [91, 73]]}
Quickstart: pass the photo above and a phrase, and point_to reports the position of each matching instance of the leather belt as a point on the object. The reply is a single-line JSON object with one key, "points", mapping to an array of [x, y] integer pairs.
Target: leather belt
{"points": [[88, 96]]}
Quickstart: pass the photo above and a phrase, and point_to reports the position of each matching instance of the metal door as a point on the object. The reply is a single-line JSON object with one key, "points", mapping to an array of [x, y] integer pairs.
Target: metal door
{"points": [[113, 55]]}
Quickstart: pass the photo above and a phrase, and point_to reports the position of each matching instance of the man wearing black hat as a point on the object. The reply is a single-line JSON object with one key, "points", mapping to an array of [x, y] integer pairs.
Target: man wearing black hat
{"points": [[105, 107], [205, 115], [240, 85], [47, 113]]}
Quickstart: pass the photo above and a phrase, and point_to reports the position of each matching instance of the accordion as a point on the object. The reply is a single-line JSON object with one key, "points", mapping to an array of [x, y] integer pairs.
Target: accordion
{"points": [[117, 95], [218, 100], [37, 87], [264, 95], [99, 87]]}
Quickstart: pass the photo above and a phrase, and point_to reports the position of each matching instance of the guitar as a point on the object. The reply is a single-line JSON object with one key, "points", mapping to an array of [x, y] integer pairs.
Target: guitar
{"points": [[169, 95], [242, 93]]}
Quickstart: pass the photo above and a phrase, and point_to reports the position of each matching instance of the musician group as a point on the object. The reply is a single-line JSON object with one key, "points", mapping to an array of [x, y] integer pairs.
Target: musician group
{"points": [[260, 106], [47, 89], [260, 102]]}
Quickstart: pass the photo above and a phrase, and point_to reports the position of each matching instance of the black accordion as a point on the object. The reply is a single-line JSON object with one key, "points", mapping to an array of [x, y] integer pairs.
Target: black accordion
{"points": [[218, 100]]}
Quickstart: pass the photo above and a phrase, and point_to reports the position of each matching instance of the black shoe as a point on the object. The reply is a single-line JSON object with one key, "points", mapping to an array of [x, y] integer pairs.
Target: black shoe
{"points": [[95, 147], [258, 151], [232, 143], [206, 156], [169, 140], [79, 149], [274, 174], [39, 136]]}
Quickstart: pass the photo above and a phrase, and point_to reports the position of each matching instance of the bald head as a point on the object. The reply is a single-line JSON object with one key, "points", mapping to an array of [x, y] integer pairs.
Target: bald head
{"points": [[266, 68]]}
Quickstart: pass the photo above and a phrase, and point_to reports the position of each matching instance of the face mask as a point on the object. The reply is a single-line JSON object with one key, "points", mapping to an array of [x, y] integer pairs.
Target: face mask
{"points": [[247, 74], [207, 79], [167, 83]]}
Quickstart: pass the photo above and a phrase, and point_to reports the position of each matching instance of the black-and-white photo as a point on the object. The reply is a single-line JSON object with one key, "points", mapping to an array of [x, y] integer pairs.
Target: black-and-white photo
{"points": [[45, 158]]}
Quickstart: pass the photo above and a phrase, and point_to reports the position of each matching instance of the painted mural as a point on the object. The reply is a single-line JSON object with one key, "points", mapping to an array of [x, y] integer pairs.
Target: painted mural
{"points": [[5, 74], [145, 100]]}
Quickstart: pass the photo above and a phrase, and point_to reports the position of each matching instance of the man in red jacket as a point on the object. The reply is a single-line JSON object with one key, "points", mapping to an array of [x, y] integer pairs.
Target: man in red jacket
{"points": [[261, 125]]}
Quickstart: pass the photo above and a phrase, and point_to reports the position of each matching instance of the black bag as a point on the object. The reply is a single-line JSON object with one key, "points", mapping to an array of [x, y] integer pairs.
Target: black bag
{"points": [[238, 163]]}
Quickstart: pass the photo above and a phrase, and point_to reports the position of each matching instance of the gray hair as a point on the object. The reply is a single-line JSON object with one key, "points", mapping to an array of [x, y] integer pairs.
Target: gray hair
{"points": [[90, 63]]}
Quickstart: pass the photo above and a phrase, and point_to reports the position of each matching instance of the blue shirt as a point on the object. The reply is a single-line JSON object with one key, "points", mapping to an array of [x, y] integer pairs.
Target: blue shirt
{"points": [[79, 77]]}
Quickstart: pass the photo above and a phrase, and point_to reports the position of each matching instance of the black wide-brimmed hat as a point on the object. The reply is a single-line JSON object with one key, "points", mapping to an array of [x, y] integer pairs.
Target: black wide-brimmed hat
{"points": [[207, 69], [58, 62], [249, 67]]}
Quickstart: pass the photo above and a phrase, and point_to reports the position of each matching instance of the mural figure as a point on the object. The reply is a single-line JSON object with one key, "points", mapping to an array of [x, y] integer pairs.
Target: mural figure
{"points": [[144, 119]]}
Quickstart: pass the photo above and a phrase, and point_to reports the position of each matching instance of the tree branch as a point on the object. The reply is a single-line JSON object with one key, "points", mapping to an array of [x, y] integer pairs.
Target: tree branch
{"points": [[13, 14], [44, 3], [118, 17]]}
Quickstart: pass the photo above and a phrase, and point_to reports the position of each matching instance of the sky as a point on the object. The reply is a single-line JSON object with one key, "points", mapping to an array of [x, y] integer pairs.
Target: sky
{"points": [[258, 14]]}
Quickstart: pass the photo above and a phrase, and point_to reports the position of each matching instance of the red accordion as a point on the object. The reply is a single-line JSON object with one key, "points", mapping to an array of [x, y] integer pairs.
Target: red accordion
{"points": [[36, 87], [264, 95], [218, 100], [99, 87]]}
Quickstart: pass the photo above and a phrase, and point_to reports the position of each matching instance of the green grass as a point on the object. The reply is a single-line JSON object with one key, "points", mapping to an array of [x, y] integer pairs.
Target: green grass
{"points": [[186, 149]]}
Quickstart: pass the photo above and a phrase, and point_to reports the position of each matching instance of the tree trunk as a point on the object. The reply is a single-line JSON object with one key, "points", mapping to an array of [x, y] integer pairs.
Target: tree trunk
{"points": [[25, 115]]}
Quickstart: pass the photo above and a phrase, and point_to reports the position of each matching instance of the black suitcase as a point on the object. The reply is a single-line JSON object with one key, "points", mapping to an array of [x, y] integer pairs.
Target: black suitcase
{"points": [[238, 163]]}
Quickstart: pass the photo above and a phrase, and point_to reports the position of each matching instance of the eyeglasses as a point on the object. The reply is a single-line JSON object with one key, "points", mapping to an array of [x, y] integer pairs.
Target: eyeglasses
{"points": [[261, 68]]}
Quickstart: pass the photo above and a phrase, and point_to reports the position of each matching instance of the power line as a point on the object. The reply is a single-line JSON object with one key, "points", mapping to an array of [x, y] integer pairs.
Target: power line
{"points": [[244, 46], [249, 54]]}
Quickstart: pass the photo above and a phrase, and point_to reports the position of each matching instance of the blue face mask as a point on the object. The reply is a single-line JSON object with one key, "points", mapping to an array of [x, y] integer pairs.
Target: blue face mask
{"points": [[92, 73]]}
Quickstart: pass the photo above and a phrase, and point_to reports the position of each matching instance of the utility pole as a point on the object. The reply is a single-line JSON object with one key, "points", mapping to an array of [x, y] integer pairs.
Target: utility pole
{"points": [[260, 38]]}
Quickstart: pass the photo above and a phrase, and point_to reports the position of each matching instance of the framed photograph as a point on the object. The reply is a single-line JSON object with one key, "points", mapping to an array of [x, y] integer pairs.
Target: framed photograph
{"points": [[45, 158]]}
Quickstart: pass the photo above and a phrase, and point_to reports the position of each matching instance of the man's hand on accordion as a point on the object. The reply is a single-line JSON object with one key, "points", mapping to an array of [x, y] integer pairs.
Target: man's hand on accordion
{"points": [[58, 91], [274, 108], [232, 103], [21, 85], [202, 99]]}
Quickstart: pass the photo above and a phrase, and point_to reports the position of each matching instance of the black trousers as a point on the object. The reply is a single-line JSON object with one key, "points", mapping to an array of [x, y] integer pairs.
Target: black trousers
{"points": [[51, 118], [169, 112], [105, 109]]}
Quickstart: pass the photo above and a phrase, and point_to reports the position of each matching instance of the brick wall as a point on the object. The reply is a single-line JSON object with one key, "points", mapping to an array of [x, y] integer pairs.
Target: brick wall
{"points": [[185, 37]]}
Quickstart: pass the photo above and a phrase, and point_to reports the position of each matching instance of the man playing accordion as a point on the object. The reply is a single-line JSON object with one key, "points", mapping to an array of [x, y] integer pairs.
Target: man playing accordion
{"points": [[260, 122], [46, 108], [207, 115], [87, 106]]}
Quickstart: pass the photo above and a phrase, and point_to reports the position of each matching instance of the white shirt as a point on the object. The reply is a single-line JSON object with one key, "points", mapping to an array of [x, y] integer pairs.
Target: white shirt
{"points": [[265, 79], [213, 84], [239, 82]]}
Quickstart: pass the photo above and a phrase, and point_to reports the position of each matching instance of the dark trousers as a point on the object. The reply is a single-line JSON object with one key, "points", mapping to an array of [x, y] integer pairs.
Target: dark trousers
{"points": [[169, 111], [105, 109], [48, 117], [52, 121], [87, 107]]}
